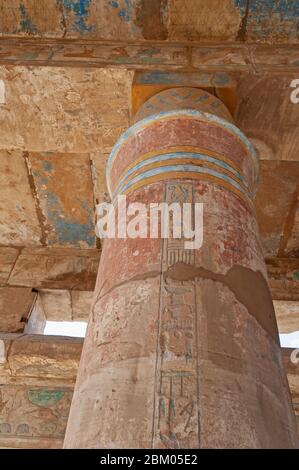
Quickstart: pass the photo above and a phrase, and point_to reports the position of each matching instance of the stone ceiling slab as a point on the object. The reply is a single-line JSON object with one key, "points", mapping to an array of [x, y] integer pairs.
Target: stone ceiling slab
{"points": [[15, 306], [52, 356], [267, 115], [8, 258], [66, 305], [28, 17], [81, 304], [57, 304], [56, 268], [277, 187], [19, 223], [193, 20], [67, 110], [64, 190], [37, 376]]}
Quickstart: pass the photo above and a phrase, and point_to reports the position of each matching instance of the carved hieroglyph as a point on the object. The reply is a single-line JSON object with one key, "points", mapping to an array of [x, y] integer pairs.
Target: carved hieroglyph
{"points": [[182, 347]]}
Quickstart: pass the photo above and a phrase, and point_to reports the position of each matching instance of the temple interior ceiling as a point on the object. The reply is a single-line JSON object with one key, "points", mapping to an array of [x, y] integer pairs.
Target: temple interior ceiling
{"points": [[59, 124], [72, 75], [68, 69], [130, 20]]}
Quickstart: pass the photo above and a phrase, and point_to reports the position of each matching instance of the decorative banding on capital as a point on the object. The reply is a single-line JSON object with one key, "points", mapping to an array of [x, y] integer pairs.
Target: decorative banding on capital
{"points": [[167, 161]]}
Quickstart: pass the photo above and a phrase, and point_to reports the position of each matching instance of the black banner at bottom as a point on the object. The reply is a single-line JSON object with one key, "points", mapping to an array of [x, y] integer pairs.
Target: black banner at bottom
{"points": [[144, 458]]}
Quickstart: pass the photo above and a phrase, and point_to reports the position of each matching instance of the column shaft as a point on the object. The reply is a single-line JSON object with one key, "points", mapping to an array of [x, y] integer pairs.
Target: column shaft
{"points": [[182, 348]]}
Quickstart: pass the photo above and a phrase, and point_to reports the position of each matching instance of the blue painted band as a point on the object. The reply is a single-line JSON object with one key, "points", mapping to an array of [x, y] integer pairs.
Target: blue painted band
{"points": [[179, 156], [181, 168], [207, 117]]}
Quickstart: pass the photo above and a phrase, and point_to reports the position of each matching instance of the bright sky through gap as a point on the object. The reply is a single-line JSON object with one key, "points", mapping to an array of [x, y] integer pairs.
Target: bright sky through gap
{"points": [[290, 340], [66, 328]]}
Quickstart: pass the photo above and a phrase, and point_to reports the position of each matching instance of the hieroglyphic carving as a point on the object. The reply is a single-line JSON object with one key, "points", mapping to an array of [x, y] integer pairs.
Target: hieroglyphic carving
{"points": [[33, 412], [176, 423]]}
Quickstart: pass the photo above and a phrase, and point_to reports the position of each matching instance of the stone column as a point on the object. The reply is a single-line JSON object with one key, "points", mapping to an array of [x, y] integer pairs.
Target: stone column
{"points": [[182, 348]]}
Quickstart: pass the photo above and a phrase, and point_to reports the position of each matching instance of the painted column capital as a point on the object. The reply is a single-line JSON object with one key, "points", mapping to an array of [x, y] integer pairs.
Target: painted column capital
{"points": [[183, 134]]}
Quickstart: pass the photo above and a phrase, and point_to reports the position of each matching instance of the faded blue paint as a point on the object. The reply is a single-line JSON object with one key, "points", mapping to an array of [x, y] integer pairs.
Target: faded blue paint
{"points": [[182, 168], [296, 275], [172, 78], [40, 177], [66, 229], [47, 166], [179, 156], [287, 9], [241, 5], [201, 98], [126, 12], [25, 21], [73, 232], [220, 79], [261, 14], [80, 8], [113, 4], [186, 79]]}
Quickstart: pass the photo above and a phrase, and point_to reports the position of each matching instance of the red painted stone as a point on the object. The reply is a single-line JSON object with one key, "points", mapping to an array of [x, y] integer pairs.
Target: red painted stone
{"points": [[182, 347]]}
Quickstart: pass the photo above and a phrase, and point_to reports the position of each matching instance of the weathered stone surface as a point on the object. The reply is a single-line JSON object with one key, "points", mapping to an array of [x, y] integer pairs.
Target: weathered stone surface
{"points": [[8, 258], [52, 219], [35, 413], [274, 204], [229, 20], [205, 24], [64, 305], [72, 116], [15, 306], [147, 84], [168, 355], [67, 216], [37, 320], [29, 17], [18, 218], [93, 54], [45, 356], [59, 123], [287, 315], [265, 112], [283, 276], [150, 56], [57, 304], [81, 305], [98, 164], [56, 268], [37, 377], [46, 398]]}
